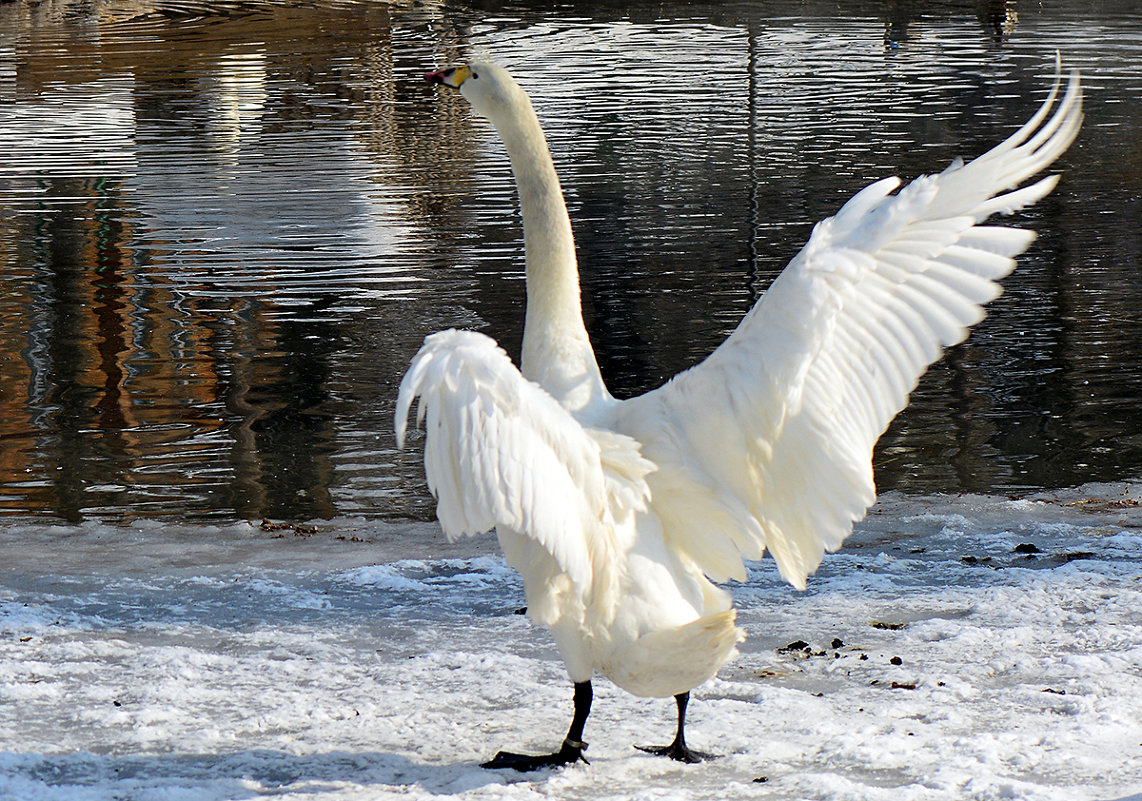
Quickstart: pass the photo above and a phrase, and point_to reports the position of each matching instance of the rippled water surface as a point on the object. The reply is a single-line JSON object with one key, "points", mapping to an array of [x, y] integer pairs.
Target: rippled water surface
{"points": [[225, 227]]}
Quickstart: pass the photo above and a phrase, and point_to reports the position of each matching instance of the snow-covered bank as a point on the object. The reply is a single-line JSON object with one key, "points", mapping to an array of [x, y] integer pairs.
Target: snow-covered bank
{"points": [[958, 648]]}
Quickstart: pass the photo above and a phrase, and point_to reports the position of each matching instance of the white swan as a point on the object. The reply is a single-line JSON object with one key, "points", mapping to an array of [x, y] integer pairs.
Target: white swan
{"points": [[619, 515]]}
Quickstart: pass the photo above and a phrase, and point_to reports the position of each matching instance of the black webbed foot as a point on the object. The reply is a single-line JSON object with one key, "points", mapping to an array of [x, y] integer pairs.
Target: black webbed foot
{"points": [[679, 752], [569, 753]]}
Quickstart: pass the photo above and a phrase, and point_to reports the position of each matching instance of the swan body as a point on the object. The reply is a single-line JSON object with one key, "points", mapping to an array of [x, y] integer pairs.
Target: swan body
{"points": [[621, 515]]}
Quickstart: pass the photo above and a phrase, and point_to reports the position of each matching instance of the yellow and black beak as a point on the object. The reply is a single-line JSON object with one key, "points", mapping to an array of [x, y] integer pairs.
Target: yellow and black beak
{"points": [[453, 76]]}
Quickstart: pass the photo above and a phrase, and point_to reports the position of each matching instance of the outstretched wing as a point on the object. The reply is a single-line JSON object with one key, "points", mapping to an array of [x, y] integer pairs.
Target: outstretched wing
{"points": [[768, 442], [500, 451]]}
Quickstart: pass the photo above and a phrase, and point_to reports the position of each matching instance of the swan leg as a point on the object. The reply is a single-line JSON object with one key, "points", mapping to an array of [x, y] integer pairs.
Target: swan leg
{"points": [[573, 746], [678, 750]]}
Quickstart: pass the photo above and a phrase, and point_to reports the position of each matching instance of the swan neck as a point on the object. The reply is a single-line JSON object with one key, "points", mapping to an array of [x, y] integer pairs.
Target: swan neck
{"points": [[556, 353]]}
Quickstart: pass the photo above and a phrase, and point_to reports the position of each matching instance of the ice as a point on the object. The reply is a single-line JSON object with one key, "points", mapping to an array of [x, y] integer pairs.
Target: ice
{"points": [[969, 647]]}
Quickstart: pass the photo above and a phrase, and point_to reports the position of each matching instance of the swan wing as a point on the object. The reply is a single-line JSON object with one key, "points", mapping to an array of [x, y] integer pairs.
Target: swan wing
{"points": [[768, 442], [500, 451]]}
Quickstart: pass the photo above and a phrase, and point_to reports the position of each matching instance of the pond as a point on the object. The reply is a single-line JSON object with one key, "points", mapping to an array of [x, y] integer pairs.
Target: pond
{"points": [[225, 227]]}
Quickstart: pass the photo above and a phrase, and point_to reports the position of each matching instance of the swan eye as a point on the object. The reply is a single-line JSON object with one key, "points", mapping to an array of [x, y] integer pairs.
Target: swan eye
{"points": [[474, 76]]}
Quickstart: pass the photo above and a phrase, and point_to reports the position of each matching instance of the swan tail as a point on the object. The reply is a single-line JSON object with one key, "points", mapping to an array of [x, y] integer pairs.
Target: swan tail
{"points": [[672, 661]]}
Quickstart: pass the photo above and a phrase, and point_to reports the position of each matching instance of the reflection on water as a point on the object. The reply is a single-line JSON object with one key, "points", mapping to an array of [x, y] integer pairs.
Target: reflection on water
{"points": [[226, 227]]}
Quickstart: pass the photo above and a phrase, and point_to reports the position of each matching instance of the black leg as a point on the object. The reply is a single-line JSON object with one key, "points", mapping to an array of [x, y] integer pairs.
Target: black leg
{"points": [[571, 750], [677, 750]]}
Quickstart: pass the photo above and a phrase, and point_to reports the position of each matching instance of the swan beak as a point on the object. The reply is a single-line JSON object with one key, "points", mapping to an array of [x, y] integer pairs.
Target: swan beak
{"points": [[453, 77]]}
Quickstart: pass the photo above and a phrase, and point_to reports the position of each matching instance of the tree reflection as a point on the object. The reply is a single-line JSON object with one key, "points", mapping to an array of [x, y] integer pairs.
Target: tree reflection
{"points": [[226, 226]]}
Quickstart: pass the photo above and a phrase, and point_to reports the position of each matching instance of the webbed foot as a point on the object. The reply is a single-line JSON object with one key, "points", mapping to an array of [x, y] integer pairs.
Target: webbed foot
{"points": [[679, 752], [569, 753]]}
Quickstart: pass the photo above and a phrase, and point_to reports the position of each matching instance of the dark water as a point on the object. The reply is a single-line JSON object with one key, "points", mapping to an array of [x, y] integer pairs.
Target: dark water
{"points": [[225, 227]]}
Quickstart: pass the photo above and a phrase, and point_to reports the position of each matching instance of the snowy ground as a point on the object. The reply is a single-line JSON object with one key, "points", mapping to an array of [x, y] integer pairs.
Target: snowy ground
{"points": [[170, 662]]}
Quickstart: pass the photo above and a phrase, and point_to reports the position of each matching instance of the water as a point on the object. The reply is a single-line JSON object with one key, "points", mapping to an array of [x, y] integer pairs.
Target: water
{"points": [[225, 227]]}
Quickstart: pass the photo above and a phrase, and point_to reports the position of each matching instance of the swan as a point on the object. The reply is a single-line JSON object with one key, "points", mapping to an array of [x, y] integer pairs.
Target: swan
{"points": [[623, 516]]}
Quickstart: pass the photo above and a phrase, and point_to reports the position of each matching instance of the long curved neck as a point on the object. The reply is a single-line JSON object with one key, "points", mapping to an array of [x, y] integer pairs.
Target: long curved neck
{"points": [[557, 353]]}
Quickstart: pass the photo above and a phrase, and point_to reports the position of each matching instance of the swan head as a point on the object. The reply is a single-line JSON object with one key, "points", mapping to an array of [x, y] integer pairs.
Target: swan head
{"points": [[492, 92]]}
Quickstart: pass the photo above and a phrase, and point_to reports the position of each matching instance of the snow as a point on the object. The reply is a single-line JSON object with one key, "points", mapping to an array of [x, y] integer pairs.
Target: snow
{"points": [[958, 648]]}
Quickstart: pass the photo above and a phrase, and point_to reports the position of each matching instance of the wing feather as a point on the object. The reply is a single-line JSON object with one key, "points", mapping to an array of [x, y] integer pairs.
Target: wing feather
{"points": [[767, 444], [500, 451]]}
